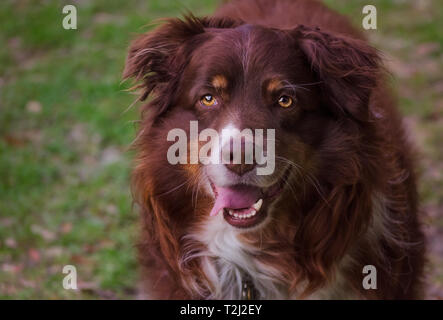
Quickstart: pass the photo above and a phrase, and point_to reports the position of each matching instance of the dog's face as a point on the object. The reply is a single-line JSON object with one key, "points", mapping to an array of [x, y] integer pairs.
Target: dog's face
{"points": [[234, 80], [228, 77]]}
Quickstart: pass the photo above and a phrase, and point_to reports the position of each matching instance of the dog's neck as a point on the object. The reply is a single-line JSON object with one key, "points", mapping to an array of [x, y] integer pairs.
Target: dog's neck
{"points": [[229, 263]]}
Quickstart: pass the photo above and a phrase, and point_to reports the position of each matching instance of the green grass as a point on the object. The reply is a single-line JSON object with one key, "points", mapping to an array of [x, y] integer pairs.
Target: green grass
{"points": [[64, 164]]}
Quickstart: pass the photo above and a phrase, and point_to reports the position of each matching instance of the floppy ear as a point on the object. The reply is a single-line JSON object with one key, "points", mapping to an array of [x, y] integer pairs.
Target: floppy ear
{"points": [[157, 58], [347, 68]]}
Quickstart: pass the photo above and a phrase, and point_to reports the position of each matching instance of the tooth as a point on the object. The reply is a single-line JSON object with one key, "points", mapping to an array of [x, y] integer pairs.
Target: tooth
{"points": [[253, 213], [236, 215], [231, 212], [257, 205]]}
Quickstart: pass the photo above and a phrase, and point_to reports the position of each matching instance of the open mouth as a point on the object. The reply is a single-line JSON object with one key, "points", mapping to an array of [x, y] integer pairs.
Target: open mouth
{"points": [[244, 206], [246, 217]]}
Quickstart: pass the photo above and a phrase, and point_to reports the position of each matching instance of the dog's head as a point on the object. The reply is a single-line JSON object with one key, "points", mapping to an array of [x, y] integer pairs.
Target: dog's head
{"points": [[307, 90], [301, 83]]}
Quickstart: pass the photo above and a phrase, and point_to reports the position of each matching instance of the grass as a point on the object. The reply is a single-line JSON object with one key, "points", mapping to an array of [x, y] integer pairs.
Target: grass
{"points": [[64, 164]]}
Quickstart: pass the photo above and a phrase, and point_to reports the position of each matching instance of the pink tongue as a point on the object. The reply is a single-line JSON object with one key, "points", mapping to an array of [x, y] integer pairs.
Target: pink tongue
{"points": [[236, 197]]}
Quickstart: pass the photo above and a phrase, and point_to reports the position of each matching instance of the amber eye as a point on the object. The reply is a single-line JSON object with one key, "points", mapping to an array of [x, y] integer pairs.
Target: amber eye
{"points": [[208, 100], [285, 101]]}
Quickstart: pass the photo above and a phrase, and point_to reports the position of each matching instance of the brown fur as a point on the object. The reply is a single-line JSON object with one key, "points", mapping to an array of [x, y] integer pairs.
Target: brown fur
{"points": [[345, 133]]}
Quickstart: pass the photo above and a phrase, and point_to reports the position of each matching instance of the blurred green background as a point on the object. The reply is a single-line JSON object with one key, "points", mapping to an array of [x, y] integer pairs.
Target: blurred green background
{"points": [[64, 135]]}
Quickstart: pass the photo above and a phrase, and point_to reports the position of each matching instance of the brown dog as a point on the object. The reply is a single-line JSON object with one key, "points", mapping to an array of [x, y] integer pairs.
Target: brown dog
{"points": [[342, 195]]}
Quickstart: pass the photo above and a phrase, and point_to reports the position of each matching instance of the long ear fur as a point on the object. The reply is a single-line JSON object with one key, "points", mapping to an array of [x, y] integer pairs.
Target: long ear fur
{"points": [[348, 69], [329, 230], [157, 58]]}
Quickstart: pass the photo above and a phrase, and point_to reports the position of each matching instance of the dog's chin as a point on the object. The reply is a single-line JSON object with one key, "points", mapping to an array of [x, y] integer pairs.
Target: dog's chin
{"points": [[256, 214]]}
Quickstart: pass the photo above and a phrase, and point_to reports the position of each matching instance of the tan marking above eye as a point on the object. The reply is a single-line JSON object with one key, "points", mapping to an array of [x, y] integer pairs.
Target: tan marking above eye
{"points": [[220, 82], [273, 85]]}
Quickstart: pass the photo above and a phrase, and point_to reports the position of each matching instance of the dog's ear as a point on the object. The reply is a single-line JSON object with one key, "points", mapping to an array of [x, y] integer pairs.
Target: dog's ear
{"points": [[347, 68], [157, 58]]}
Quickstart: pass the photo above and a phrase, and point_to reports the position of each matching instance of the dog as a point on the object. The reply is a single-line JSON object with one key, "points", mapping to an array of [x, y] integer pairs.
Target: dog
{"points": [[341, 203]]}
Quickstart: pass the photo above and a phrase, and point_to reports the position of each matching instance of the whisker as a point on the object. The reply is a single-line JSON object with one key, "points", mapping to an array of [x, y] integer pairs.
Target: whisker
{"points": [[172, 190], [311, 179]]}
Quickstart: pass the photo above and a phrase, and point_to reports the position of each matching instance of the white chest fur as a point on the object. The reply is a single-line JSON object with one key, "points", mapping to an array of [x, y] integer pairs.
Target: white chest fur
{"points": [[228, 261]]}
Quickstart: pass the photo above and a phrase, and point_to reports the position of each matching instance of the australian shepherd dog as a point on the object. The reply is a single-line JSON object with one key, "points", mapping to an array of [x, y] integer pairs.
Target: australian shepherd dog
{"points": [[329, 199]]}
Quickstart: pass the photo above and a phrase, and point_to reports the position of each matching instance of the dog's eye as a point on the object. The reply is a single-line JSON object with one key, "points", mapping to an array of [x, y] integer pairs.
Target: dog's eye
{"points": [[285, 101], [208, 100]]}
